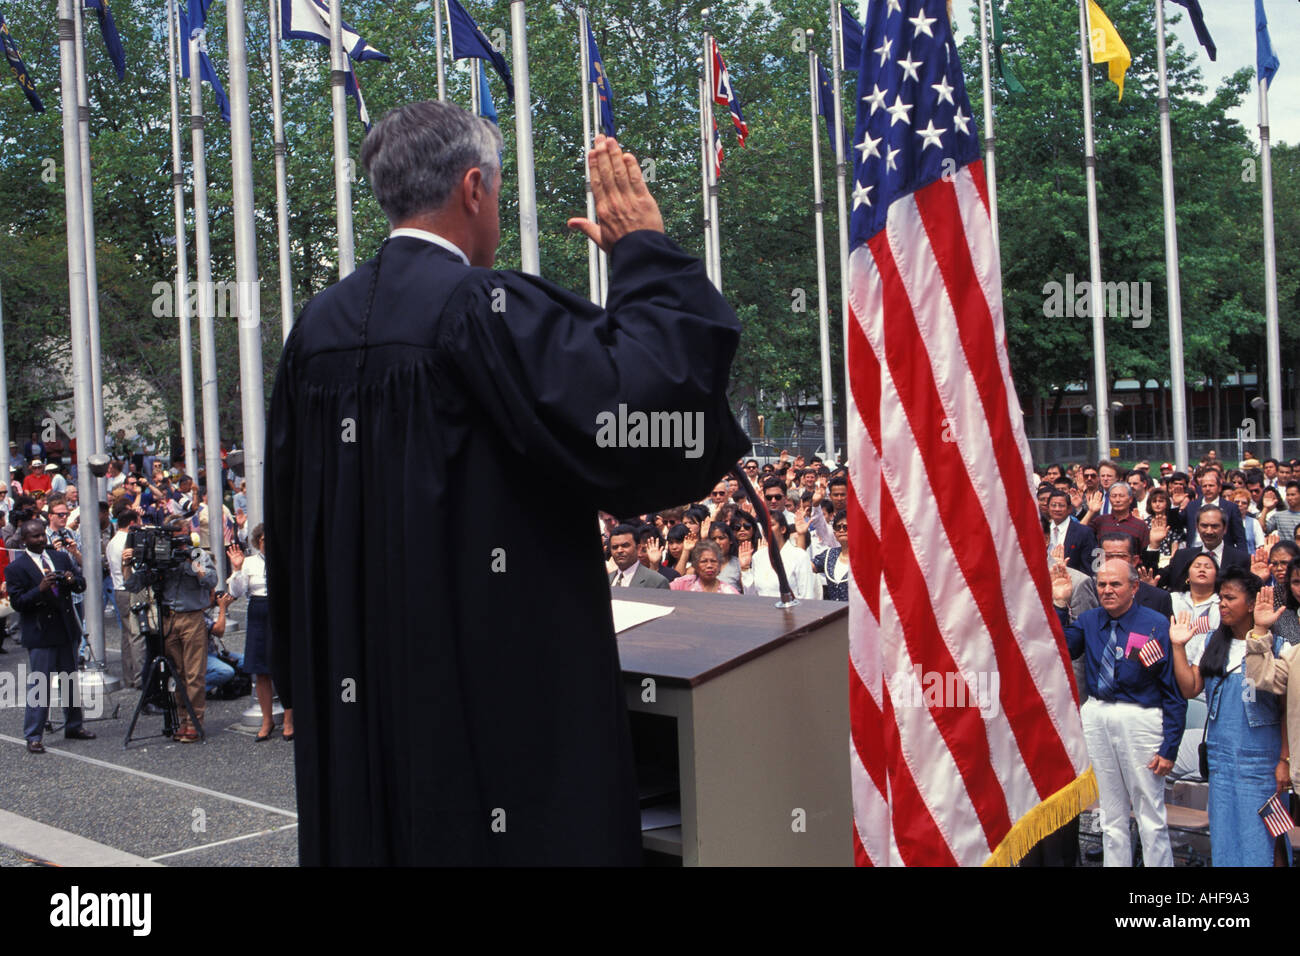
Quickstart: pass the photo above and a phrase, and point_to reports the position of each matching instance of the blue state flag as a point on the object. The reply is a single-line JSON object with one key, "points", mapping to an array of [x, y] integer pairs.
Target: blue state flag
{"points": [[1265, 59], [207, 72], [485, 107], [826, 105], [112, 41], [1193, 8], [19, 68], [851, 39], [469, 42], [603, 89]]}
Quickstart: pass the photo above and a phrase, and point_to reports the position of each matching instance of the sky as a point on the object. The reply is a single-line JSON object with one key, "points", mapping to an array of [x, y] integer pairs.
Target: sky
{"points": [[1232, 25]]}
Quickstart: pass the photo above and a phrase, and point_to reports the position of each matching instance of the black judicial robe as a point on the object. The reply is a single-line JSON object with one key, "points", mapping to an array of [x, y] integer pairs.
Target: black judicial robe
{"points": [[440, 611]]}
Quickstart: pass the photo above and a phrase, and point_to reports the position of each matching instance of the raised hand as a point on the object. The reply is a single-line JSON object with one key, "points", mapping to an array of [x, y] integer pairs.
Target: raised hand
{"points": [[654, 551], [1058, 554], [1076, 498], [1062, 586], [1178, 499], [236, 556], [1272, 539], [623, 203], [1094, 503], [1266, 614], [688, 542], [1259, 564], [745, 552], [1180, 629], [1159, 530]]}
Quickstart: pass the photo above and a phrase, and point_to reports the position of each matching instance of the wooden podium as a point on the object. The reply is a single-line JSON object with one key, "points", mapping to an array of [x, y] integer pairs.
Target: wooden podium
{"points": [[740, 722]]}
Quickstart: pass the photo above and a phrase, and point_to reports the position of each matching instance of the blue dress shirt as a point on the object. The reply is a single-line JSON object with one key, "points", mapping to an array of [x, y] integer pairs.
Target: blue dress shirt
{"points": [[1153, 686]]}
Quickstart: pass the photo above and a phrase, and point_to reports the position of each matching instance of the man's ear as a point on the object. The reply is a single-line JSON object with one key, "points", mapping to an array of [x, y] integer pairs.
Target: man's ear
{"points": [[472, 190]]}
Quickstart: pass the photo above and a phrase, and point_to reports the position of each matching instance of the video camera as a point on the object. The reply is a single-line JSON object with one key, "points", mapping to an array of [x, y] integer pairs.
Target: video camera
{"points": [[159, 550]]}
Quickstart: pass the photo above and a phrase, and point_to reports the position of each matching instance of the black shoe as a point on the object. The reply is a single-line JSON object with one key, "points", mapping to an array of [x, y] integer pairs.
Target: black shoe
{"points": [[78, 735], [150, 710], [35, 747]]}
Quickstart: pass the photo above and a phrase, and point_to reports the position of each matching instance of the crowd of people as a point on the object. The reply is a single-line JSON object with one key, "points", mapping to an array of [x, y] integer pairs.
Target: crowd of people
{"points": [[185, 605]]}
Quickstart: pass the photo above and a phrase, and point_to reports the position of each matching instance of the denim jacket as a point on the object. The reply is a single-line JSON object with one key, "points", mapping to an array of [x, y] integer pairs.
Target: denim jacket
{"points": [[1263, 709]]}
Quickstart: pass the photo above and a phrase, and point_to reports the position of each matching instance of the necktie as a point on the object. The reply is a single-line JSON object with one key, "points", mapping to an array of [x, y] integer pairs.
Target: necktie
{"points": [[1056, 535], [49, 569], [1106, 672]]}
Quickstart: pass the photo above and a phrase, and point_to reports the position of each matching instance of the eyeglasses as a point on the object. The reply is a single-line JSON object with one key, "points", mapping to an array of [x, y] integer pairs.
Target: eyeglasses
{"points": [[1278, 564], [1090, 474], [58, 514], [841, 527], [717, 494], [773, 497]]}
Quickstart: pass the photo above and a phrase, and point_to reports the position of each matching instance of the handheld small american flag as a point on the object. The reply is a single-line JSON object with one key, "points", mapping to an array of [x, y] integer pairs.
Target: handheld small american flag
{"points": [[1276, 817], [1202, 623], [1151, 653], [725, 95], [941, 479]]}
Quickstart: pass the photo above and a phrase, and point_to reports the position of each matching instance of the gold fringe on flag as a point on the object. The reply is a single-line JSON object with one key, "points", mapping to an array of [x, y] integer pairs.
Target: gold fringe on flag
{"points": [[1045, 819]]}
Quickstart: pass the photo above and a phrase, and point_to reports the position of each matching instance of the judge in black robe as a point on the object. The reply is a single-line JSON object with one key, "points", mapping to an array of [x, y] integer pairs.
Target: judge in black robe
{"points": [[438, 446]]}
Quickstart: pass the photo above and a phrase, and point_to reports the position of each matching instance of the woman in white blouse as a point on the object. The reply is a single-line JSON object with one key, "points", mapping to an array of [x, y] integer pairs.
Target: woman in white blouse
{"points": [[249, 578], [757, 576]]}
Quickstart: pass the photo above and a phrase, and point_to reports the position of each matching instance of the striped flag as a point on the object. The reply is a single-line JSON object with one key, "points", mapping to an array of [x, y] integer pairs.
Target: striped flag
{"points": [[1202, 623], [1276, 817], [1151, 653], [998, 762]]}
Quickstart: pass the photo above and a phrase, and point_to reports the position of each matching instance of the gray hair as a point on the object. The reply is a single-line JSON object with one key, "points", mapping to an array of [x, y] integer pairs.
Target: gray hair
{"points": [[1123, 488], [1133, 576], [416, 154]]}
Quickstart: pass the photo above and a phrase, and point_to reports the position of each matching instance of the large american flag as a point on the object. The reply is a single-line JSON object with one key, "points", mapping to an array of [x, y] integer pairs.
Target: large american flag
{"points": [[949, 569]]}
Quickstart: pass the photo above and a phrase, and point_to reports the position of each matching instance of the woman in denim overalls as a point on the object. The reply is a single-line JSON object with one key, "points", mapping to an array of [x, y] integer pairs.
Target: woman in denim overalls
{"points": [[1244, 738]]}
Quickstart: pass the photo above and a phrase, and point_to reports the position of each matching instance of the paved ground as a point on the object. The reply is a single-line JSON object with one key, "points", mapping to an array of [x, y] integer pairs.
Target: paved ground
{"points": [[226, 802]]}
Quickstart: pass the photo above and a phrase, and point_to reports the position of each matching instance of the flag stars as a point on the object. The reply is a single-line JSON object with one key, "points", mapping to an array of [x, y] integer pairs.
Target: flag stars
{"points": [[961, 121], [944, 90], [931, 136], [868, 147], [884, 50], [861, 195], [898, 111], [893, 8], [921, 24], [876, 99], [909, 67], [890, 165]]}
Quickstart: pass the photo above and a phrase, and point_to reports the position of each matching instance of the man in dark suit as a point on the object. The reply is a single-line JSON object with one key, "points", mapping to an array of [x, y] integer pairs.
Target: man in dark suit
{"points": [[1122, 546], [1210, 525], [40, 587], [1062, 528], [628, 571], [1211, 486]]}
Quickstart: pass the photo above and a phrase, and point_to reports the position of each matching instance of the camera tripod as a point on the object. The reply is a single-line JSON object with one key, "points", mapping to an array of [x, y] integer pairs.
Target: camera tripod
{"points": [[161, 679]]}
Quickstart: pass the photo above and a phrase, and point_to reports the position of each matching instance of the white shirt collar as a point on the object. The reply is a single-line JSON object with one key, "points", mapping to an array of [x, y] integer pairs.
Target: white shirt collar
{"points": [[433, 237], [38, 558], [1218, 552]]}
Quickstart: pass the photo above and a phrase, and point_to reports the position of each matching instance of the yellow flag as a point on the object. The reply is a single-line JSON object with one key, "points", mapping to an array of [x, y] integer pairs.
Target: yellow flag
{"points": [[1106, 46]]}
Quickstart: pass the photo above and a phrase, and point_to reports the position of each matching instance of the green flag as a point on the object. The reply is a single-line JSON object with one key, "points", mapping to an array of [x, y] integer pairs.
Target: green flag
{"points": [[1014, 86]]}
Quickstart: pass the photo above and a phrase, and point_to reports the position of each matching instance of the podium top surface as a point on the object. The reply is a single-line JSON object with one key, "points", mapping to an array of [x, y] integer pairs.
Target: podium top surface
{"points": [[707, 635]]}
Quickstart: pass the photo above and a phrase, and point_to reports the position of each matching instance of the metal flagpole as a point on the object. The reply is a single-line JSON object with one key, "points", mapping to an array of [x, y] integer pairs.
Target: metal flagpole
{"points": [[1094, 249], [4, 398], [1177, 387], [437, 45], [828, 421], [281, 178], [1270, 282], [188, 432], [990, 164], [475, 90], [88, 205], [207, 322], [584, 68], [709, 86], [342, 173], [706, 157], [251, 385], [841, 175], [529, 254], [78, 309], [602, 260]]}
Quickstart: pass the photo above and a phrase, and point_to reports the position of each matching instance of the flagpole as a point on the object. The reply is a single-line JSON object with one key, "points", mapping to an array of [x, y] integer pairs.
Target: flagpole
{"points": [[475, 89], [437, 45], [529, 254], [88, 205], [990, 141], [1270, 281], [705, 159], [342, 179], [823, 322], [4, 396], [281, 178], [1177, 387], [1094, 249], [709, 86], [602, 259], [251, 385], [841, 194], [584, 68], [182, 266], [207, 321], [78, 309]]}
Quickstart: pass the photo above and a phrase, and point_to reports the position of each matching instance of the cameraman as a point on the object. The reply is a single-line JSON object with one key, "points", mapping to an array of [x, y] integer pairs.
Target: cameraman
{"points": [[186, 594], [135, 656]]}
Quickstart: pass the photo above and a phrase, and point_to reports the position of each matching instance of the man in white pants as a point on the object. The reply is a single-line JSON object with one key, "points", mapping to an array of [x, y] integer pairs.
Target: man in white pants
{"points": [[1134, 716]]}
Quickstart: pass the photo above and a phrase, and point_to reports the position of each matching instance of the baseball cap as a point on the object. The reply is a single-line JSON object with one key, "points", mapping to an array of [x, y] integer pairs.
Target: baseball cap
{"points": [[36, 461], [1167, 466], [51, 467]]}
